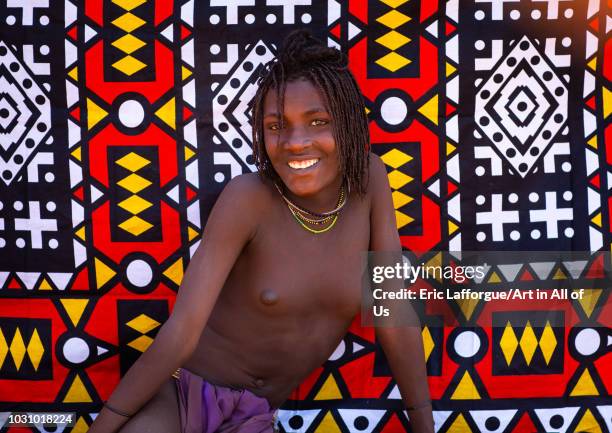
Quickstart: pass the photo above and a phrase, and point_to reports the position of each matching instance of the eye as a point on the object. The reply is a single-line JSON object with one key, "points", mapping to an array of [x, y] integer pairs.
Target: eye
{"points": [[319, 122], [273, 126]]}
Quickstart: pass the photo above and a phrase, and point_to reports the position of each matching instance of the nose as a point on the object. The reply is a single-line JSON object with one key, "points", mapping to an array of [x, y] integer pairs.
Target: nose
{"points": [[296, 139]]}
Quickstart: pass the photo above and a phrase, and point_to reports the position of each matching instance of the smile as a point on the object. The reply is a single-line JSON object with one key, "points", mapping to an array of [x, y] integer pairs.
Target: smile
{"points": [[300, 165]]}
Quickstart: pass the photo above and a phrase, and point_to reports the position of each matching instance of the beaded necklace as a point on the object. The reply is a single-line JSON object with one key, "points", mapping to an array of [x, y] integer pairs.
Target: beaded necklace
{"points": [[303, 216]]}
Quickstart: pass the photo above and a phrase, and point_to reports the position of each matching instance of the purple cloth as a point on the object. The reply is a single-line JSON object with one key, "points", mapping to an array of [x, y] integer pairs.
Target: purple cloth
{"points": [[207, 408]]}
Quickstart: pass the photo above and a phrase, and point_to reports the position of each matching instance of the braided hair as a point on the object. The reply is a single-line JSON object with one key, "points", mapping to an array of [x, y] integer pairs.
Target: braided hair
{"points": [[304, 57]]}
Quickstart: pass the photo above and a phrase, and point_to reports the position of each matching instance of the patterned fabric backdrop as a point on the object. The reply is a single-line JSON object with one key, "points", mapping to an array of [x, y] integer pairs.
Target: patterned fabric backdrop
{"points": [[121, 121]]}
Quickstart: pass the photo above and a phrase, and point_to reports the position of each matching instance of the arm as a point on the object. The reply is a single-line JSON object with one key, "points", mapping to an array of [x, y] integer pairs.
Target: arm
{"points": [[227, 232], [403, 346]]}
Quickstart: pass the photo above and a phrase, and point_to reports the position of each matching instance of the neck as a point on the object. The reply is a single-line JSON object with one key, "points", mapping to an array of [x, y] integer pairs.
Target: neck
{"points": [[324, 201]]}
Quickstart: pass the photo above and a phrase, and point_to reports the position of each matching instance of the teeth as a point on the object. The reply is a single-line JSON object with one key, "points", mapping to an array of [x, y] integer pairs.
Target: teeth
{"points": [[303, 164]]}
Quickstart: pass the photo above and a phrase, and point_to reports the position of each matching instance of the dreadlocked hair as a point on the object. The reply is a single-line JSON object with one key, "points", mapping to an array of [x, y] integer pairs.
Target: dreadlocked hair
{"points": [[304, 57]]}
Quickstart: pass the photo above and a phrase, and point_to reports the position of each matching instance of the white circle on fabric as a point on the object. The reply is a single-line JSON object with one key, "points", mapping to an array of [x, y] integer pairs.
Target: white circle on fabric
{"points": [[44, 20], [569, 13], [53, 244], [535, 234], [566, 166], [480, 199], [20, 242], [536, 14], [467, 344], [306, 18], [44, 50], [513, 198], [533, 197], [18, 205], [76, 350], [479, 44], [139, 273], [131, 113], [569, 232], [215, 49], [249, 18], [479, 15], [49, 177], [51, 206], [480, 170], [587, 341], [214, 19], [10, 20], [567, 195], [270, 18], [515, 14], [515, 235], [2, 242], [481, 236], [393, 110], [219, 177]]}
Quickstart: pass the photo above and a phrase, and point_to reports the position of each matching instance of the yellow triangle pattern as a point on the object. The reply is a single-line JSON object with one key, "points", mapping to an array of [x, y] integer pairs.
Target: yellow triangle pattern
{"points": [[402, 219], [593, 63], [80, 426], [74, 308], [129, 65], [393, 61], [328, 425], [185, 73], [559, 275], [175, 272], [593, 141], [607, 102], [450, 69], [77, 392], [588, 423], [494, 278], [585, 385], [430, 109], [400, 199], [80, 233], [329, 390], [44, 285], [460, 425], [467, 306], [452, 227], [128, 22], [393, 40], [167, 113], [95, 113], [74, 73], [76, 153], [188, 153], [449, 148], [128, 43], [589, 300], [103, 273], [466, 390], [597, 220], [191, 233]]}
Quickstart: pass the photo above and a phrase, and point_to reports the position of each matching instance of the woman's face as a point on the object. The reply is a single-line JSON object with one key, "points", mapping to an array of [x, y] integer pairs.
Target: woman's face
{"points": [[303, 152]]}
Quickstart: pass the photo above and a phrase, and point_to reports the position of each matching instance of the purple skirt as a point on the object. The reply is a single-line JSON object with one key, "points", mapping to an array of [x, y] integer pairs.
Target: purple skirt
{"points": [[207, 408]]}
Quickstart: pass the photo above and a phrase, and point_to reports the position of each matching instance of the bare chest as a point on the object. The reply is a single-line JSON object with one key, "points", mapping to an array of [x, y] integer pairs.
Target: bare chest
{"points": [[287, 270]]}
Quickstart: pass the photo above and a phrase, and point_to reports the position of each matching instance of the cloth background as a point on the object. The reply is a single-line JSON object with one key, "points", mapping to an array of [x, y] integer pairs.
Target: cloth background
{"points": [[120, 122]]}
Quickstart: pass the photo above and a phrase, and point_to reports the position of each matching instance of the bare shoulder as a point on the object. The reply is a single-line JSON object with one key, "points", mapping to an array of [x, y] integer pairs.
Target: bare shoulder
{"points": [[249, 189], [377, 176]]}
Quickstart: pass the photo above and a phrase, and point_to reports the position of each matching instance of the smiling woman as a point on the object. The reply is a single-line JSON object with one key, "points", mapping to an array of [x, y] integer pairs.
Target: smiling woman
{"points": [[278, 271]]}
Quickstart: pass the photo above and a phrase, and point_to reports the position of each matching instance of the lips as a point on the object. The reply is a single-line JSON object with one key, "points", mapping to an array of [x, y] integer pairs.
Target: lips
{"points": [[302, 164]]}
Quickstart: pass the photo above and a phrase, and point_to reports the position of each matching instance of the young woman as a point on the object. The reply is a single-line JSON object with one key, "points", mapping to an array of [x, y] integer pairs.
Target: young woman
{"points": [[276, 281]]}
